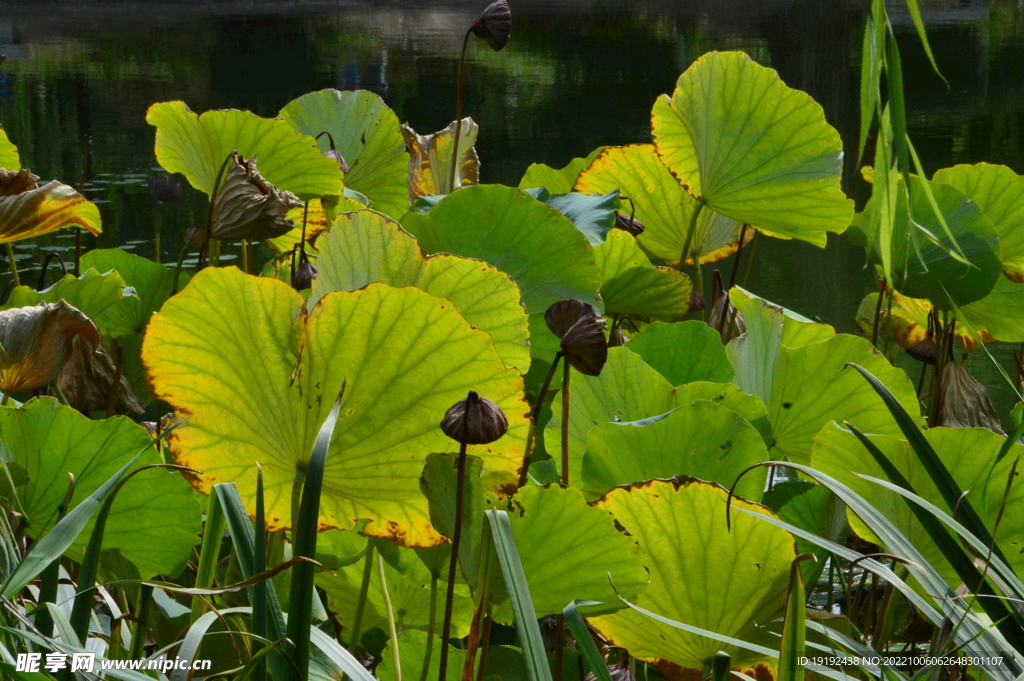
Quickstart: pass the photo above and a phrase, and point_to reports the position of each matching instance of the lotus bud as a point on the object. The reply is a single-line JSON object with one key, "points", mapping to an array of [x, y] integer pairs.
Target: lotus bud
{"points": [[494, 25], [629, 224], [725, 319], [249, 207], [303, 276], [617, 338], [194, 238], [923, 351], [964, 402], [17, 182], [584, 346], [562, 315], [87, 381], [36, 343], [164, 189], [697, 301], [474, 421]]}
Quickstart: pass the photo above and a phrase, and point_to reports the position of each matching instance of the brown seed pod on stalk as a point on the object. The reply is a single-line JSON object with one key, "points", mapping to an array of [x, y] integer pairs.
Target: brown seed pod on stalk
{"points": [[585, 347], [628, 223], [494, 25], [164, 189], [562, 315], [474, 421]]}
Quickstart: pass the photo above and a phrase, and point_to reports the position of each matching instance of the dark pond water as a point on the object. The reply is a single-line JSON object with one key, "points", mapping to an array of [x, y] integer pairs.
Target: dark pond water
{"points": [[577, 74]]}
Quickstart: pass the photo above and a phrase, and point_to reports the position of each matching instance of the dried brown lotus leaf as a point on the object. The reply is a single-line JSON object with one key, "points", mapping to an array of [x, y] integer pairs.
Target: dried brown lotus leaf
{"points": [[36, 343], [17, 182], [584, 346], [721, 319], [28, 210], [965, 402], [430, 159], [474, 421], [562, 315], [249, 207], [88, 379], [494, 25]]}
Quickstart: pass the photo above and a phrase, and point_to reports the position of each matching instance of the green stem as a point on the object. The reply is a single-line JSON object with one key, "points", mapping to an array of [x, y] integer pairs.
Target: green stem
{"points": [[458, 116], [141, 615], [449, 596], [5, 399], [14, 265], [156, 239], [259, 591], [431, 624], [698, 283], [177, 268], [392, 629], [531, 436], [364, 588], [690, 231], [565, 423], [60, 394]]}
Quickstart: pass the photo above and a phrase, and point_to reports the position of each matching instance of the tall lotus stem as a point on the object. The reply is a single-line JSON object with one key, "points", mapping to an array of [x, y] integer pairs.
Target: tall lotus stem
{"points": [[698, 278], [431, 624], [565, 423], [458, 114], [13, 264], [531, 437], [449, 596], [209, 213], [364, 588]]}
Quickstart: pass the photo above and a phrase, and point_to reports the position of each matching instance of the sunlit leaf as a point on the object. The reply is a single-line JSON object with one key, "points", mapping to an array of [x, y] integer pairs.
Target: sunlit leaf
{"points": [[150, 282], [631, 285], [37, 342], [556, 180], [9, 159], [430, 159], [92, 293], [683, 352], [46, 209], [907, 321], [593, 214]]}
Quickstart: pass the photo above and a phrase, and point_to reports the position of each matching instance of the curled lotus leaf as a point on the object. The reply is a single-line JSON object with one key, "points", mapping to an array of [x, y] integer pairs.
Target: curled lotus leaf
{"points": [[92, 293], [964, 401], [557, 180], [257, 376], [754, 149], [246, 206], [9, 159], [28, 210], [15, 182], [662, 205], [36, 342], [631, 285], [430, 159]]}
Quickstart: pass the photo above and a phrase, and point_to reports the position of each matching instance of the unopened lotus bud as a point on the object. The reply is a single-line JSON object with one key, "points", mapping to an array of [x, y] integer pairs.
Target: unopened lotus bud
{"points": [[726, 319], [17, 182], [697, 301], [335, 156], [164, 189], [584, 346], [923, 351], [303, 276], [494, 25], [562, 315], [628, 224], [617, 337], [249, 207], [87, 381], [36, 343], [964, 401], [194, 238], [474, 421]]}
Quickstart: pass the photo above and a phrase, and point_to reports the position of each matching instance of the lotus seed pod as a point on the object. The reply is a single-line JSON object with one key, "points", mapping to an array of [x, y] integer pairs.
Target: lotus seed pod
{"points": [[164, 189], [584, 346], [494, 25], [964, 401], [617, 337], [36, 343], [629, 224], [562, 315], [304, 275], [697, 301], [474, 421], [335, 156]]}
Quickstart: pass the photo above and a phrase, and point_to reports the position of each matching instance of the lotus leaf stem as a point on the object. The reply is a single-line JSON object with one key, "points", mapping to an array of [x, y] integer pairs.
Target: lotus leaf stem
{"points": [[364, 588], [449, 596], [565, 423], [458, 116], [156, 237], [559, 640], [13, 264], [60, 394], [392, 629], [531, 437], [115, 387], [431, 625], [698, 278]]}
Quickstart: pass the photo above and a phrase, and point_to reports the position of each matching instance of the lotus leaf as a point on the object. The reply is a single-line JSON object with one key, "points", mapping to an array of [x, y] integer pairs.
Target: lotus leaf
{"points": [[197, 146], [533, 243], [430, 159], [631, 285], [748, 407], [731, 581], [155, 520], [439, 484], [838, 453], [43, 209], [560, 180], [364, 247], [9, 158], [683, 352], [150, 282], [1000, 313], [699, 440], [91, 293], [37, 342], [661, 203], [593, 214], [368, 136], [257, 376], [753, 149], [813, 508], [907, 321], [413, 648], [999, 192]]}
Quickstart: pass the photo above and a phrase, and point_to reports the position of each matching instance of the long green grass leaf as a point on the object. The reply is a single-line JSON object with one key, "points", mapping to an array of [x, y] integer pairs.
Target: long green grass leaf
{"points": [[915, 16], [591, 655], [793, 628], [209, 553]]}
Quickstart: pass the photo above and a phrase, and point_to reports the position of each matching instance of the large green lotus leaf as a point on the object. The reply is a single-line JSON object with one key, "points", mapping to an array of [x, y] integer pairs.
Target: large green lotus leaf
{"points": [[1000, 313], [364, 247], [151, 282], [626, 390], [662, 204], [683, 352], [593, 214], [754, 149], [155, 520], [92, 293], [412, 647], [968, 453], [569, 549], [532, 242], [430, 159], [46, 209], [439, 484], [257, 377], [631, 285], [810, 507], [731, 581], [368, 136], [999, 192], [196, 146], [748, 407], [9, 158], [557, 180], [700, 440]]}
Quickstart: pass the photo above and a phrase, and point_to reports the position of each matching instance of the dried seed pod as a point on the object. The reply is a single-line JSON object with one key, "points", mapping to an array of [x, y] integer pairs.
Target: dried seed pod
{"points": [[474, 421], [17, 182], [494, 25], [194, 238], [249, 207], [335, 156], [584, 346], [697, 301], [726, 319], [923, 351], [164, 189], [964, 401], [304, 275], [562, 315], [629, 224], [36, 343], [617, 337], [88, 379]]}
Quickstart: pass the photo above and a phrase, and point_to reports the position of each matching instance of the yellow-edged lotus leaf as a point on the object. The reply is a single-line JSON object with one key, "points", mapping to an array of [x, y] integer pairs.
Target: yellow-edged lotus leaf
{"points": [[1000, 314], [36, 342], [249, 207], [907, 321], [365, 246], [557, 180], [753, 148], [430, 159], [631, 285], [257, 375], [662, 204], [197, 146], [317, 220], [38, 210], [9, 159], [731, 581]]}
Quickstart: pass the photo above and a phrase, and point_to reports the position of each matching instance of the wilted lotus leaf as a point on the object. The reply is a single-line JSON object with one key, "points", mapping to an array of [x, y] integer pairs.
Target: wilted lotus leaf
{"points": [[687, 549], [258, 375], [9, 159], [908, 321], [318, 218], [87, 381], [683, 352], [631, 285], [92, 293], [430, 159], [557, 180], [964, 401], [248, 207], [662, 205], [494, 25], [197, 146], [585, 346], [36, 343], [367, 136], [754, 149], [365, 246], [30, 210]]}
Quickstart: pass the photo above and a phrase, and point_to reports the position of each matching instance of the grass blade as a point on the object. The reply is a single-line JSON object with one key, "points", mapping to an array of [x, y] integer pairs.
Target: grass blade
{"points": [[794, 631], [915, 16], [213, 534], [591, 655]]}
